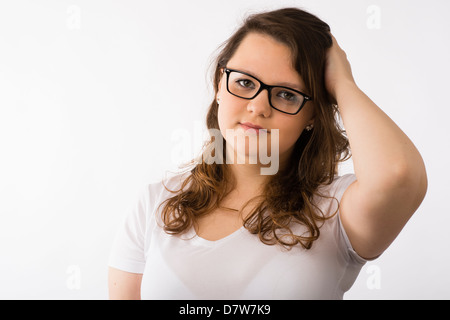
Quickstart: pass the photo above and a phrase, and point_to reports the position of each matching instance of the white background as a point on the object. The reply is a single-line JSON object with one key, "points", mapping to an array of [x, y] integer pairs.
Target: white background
{"points": [[99, 98]]}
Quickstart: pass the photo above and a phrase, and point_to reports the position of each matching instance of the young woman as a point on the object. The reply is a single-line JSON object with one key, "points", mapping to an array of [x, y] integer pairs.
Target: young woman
{"points": [[223, 230]]}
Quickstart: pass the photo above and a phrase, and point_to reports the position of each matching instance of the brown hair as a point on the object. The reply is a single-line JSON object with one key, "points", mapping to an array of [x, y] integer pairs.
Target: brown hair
{"points": [[287, 197]]}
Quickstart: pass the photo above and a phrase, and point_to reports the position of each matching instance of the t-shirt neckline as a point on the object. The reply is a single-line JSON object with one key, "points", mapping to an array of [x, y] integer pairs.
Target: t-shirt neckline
{"points": [[213, 243]]}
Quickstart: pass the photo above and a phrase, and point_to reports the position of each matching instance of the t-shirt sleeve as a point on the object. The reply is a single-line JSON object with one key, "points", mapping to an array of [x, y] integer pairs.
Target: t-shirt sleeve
{"points": [[343, 183], [128, 249]]}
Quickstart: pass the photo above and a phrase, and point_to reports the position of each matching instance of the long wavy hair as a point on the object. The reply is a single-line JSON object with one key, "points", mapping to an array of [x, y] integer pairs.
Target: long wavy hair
{"points": [[287, 197]]}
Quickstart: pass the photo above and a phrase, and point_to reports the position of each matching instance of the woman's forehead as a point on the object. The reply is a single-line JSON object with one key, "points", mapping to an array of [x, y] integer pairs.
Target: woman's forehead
{"points": [[266, 59]]}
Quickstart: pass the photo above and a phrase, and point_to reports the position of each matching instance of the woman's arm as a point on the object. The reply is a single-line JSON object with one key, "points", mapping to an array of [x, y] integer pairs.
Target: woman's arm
{"points": [[391, 177], [124, 285]]}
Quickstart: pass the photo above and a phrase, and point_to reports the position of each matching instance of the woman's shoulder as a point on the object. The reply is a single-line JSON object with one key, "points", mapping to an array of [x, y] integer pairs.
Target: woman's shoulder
{"points": [[161, 188], [156, 191]]}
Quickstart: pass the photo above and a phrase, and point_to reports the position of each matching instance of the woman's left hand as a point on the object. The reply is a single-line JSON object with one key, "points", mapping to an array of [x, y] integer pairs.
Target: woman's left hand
{"points": [[338, 72]]}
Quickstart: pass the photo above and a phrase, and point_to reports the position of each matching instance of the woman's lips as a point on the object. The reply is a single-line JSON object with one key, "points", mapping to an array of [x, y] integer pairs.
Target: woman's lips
{"points": [[247, 126]]}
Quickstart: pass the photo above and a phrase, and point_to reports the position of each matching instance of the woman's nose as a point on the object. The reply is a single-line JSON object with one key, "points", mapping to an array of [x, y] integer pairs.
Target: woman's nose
{"points": [[260, 104]]}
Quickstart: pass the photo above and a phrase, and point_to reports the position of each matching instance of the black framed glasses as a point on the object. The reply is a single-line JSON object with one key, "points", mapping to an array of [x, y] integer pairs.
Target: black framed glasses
{"points": [[283, 99]]}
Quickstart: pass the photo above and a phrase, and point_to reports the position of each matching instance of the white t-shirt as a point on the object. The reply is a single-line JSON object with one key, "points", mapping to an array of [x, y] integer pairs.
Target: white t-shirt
{"points": [[238, 266]]}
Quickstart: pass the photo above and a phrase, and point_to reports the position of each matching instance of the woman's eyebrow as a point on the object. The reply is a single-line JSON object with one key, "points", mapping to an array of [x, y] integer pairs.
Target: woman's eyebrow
{"points": [[282, 84]]}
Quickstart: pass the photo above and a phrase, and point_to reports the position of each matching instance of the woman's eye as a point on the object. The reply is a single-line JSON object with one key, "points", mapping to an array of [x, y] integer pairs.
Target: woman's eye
{"points": [[286, 95], [245, 83]]}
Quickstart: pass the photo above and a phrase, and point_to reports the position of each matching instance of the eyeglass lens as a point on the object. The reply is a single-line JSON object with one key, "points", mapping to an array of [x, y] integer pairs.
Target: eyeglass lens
{"points": [[246, 86]]}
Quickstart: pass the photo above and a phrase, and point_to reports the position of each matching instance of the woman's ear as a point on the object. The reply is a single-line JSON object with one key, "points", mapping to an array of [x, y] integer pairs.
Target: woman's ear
{"points": [[310, 123], [219, 86], [218, 92]]}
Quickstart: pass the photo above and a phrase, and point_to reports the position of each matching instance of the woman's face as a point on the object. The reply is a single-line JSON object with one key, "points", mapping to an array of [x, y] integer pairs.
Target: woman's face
{"points": [[269, 61]]}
